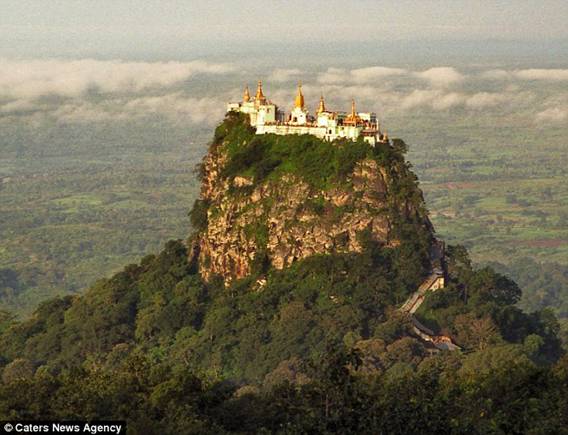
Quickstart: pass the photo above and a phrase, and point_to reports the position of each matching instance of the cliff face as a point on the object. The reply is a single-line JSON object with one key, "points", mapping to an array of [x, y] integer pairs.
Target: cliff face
{"points": [[253, 220]]}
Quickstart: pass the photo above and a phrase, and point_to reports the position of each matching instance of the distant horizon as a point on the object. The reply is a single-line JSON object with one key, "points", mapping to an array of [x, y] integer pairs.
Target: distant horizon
{"points": [[548, 54], [149, 29]]}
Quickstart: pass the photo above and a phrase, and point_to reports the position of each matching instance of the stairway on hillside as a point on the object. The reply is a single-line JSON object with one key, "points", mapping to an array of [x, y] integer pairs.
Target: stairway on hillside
{"points": [[435, 281]]}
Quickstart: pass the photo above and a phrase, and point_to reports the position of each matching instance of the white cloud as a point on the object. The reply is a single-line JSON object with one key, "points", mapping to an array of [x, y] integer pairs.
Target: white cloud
{"points": [[284, 75], [439, 99], [333, 75], [72, 78], [485, 99], [542, 74], [370, 74], [437, 76], [417, 98], [130, 90], [197, 110], [174, 106], [431, 98], [447, 101], [527, 74], [384, 99], [441, 76]]}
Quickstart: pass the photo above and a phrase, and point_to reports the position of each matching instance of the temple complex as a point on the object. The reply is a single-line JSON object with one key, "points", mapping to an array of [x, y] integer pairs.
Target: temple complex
{"points": [[266, 117]]}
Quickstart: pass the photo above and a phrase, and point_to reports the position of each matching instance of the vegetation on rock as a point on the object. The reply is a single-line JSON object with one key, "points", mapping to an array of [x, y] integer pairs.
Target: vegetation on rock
{"points": [[284, 198]]}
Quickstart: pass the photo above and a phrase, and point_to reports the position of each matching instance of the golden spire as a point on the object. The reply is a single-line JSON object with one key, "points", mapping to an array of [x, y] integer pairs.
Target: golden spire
{"points": [[299, 102], [385, 136], [259, 97], [246, 95], [352, 118], [321, 107]]}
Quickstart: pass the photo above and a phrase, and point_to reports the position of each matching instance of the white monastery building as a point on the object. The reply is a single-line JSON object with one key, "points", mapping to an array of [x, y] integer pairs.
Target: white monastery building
{"points": [[266, 117]]}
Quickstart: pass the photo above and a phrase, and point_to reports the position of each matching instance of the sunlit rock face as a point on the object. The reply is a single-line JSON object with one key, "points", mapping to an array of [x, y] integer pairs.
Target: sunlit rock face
{"points": [[284, 219]]}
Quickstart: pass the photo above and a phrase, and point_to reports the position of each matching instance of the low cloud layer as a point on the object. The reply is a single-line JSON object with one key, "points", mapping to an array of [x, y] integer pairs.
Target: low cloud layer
{"points": [[76, 91], [438, 76], [174, 106], [441, 76], [360, 75], [284, 75], [540, 74], [387, 100], [90, 90], [37, 78]]}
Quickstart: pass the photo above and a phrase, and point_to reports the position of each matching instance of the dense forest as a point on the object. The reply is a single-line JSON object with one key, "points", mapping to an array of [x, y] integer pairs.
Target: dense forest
{"points": [[157, 346], [321, 348]]}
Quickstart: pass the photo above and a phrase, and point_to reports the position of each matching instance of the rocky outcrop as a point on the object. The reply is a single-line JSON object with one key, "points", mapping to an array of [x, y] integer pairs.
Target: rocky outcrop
{"points": [[279, 221]]}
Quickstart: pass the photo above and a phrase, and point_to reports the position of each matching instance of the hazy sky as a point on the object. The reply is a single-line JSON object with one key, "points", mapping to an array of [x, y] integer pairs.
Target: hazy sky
{"points": [[73, 26]]}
